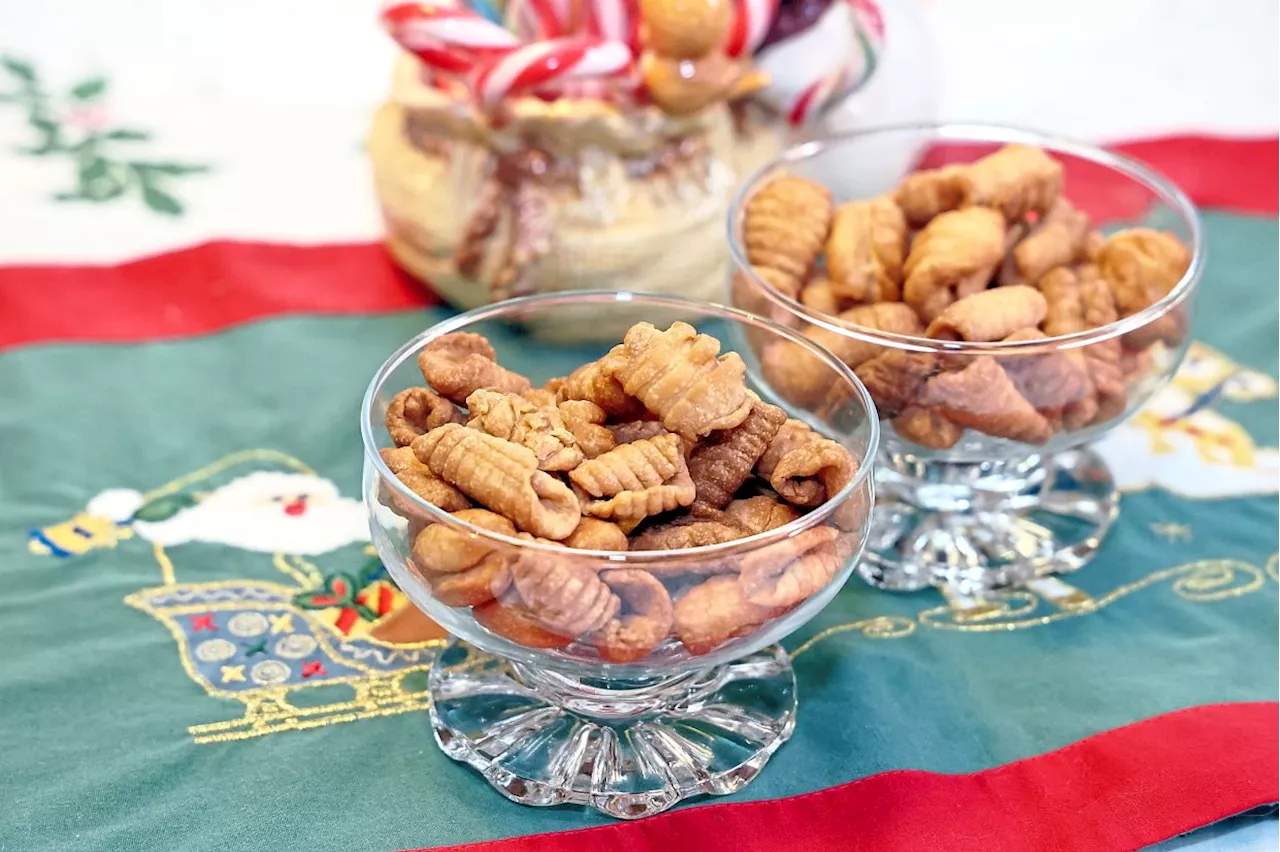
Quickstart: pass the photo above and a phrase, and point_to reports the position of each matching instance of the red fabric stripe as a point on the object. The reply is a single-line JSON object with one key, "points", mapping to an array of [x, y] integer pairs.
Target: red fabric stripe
{"points": [[1117, 790], [198, 290], [209, 287]]}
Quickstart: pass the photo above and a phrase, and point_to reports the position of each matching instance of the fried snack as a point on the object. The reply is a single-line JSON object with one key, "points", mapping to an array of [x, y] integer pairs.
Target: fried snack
{"points": [[638, 430], [760, 514], [715, 610], [954, 256], [645, 618], [983, 397], [543, 397], [1142, 265], [785, 573], [419, 479], [821, 296], [634, 481], [1056, 240], [689, 531], [407, 625], [478, 585], [1094, 242], [563, 597], [923, 195], [1057, 384], [894, 377], [805, 468], [928, 428], [990, 315], [1079, 300], [586, 420], [516, 419], [502, 476], [1016, 180], [518, 625], [677, 376], [865, 250], [804, 378], [591, 383], [595, 534], [721, 464], [416, 411], [785, 224], [460, 363], [442, 549]]}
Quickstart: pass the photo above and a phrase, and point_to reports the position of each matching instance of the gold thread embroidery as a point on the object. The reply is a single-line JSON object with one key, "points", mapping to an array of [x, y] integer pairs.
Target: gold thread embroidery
{"points": [[222, 464], [302, 577], [1171, 532], [167, 575], [879, 627]]}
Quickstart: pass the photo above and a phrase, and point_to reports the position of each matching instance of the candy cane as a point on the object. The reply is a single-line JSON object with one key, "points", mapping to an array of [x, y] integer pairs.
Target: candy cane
{"points": [[609, 19], [751, 22], [818, 96], [445, 36], [537, 65], [535, 20]]}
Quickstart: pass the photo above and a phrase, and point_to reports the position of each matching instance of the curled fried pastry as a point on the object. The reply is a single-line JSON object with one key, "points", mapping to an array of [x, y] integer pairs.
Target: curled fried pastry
{"points": [[636, 480], [804, 379], [686, 532], [416, 411], [460, 363], [923, 195], [595, 534], [419, 479], [715, 610], [586, 420], [1055, 383], [821, 296], [927, 428], [791, 570], [990, 315], [644, 621], [1015, 180], [517, 624], [477, 585], [502, 476], [516, 419], [543, 397], [721, 464], [1079, 300], [955, 254], [983, 397], [1142, 265], [865, 250], [785, 224], [443, 549], [760, 514], [677, 376], [1056, 240], [564, 597], [638, 430], [805, 468], [894, 377], [591, 383]]}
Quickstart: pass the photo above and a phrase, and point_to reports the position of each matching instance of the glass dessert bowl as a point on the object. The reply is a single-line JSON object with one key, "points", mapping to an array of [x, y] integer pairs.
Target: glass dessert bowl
{"points": [[616, 550], [1008, 300]]}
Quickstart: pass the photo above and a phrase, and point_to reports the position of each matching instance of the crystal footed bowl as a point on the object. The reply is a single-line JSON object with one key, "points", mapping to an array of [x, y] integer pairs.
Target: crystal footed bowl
{"points": [[606, 656], [1007, 300]]}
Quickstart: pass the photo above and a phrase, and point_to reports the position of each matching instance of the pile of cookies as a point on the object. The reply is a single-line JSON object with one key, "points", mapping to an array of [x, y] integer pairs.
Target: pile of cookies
{"points": [[989, 251], [657, 446]]}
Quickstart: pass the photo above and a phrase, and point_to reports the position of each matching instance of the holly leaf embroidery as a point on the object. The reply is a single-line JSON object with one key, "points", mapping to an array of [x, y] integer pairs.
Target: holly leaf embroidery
{"points": [[21, 70], [161, 201], [89, 89], [168, 168], [163, 508], [126, 134]]}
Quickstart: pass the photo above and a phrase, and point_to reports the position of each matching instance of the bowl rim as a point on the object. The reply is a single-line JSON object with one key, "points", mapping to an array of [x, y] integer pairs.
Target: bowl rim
{"points": [[1156, 182], [638, 557]]}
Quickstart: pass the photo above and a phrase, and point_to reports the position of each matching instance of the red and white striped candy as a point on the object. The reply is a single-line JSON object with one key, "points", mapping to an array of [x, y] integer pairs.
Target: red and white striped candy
{"points": [[610, 19], [551, 63], [818, 96], [751, 22], [446, 36], [536, 20]]}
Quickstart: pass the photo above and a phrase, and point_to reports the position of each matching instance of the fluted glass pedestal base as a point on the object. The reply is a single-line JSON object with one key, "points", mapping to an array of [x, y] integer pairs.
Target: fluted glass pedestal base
{"points": [[977, 527], [626, 748]]}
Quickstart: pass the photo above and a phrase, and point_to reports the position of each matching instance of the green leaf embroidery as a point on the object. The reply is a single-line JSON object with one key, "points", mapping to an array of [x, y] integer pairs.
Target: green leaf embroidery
{"points": [[89, 89], [163, 508], [125, 134], [160, 201], [21, 70], [93, 168], [169, 168]]}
